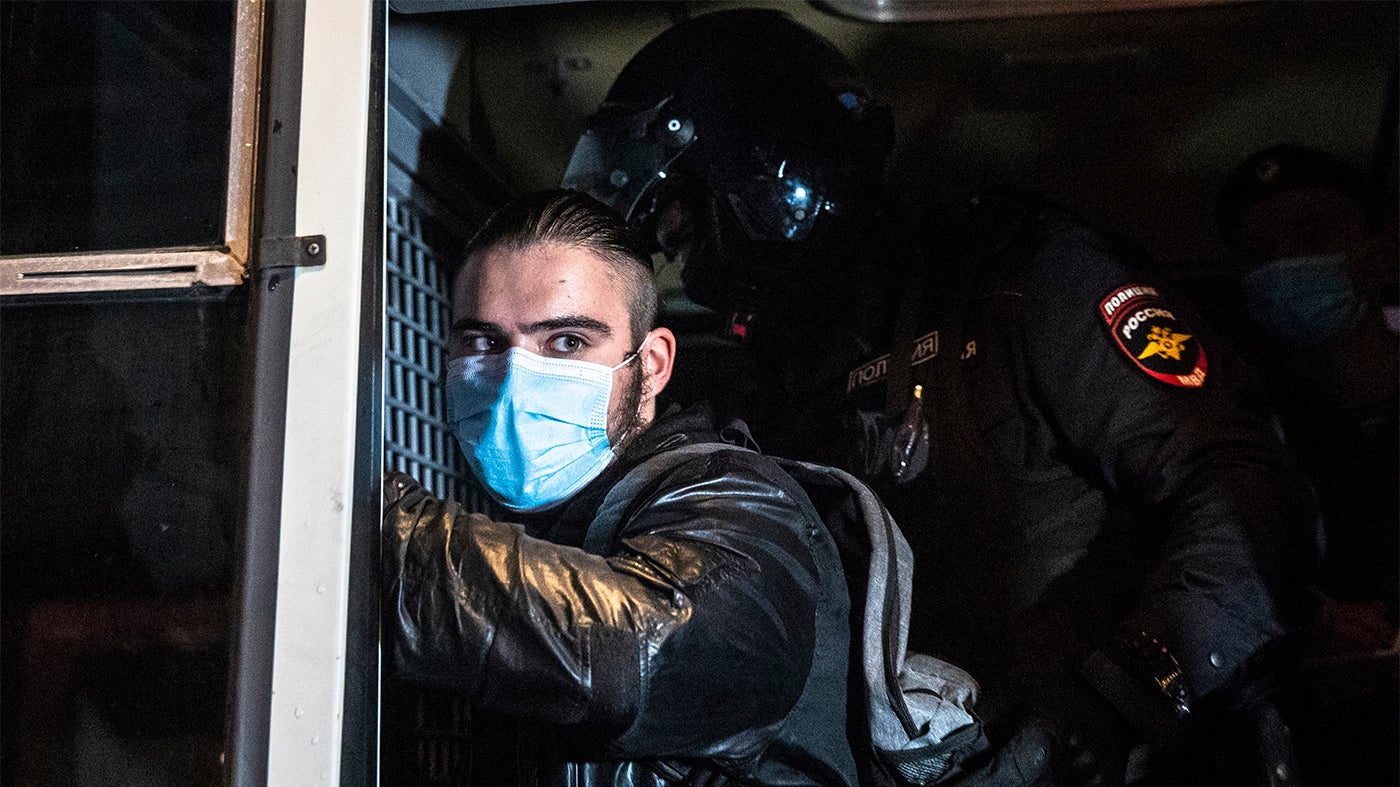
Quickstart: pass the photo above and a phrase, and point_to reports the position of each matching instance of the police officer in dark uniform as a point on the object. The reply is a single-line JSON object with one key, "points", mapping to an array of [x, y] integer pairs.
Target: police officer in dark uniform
{"points": [[1317, 276], [1105, 527]]}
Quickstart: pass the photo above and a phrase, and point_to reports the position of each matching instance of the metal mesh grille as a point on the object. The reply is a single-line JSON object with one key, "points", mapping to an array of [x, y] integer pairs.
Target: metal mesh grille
{"points": [[442, 736], [417, 441], [416, 438]]}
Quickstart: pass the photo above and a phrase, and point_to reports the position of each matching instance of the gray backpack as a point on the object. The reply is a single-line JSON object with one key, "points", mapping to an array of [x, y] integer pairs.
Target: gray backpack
{"points": [[916, 708]]}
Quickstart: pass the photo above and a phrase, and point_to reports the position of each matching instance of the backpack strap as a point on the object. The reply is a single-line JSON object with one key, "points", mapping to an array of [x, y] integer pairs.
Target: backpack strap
{"points": [[916, 708], [884, 631]]}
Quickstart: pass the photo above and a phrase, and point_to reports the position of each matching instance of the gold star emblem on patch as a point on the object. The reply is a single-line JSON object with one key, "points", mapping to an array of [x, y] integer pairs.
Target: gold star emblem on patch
{"points": [[1161, 341]]}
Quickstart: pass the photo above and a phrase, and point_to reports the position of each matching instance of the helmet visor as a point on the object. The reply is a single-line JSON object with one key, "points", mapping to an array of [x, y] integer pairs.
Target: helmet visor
{"points": [[778, 208], [625, 152]]}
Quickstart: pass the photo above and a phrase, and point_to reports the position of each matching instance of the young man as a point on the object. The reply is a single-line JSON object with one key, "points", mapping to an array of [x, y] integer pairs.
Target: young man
{"points": [[698, 632]]}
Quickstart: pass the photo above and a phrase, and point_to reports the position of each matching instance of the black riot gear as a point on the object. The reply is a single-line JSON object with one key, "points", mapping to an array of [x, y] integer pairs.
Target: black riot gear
{"points": [[764, 166]]}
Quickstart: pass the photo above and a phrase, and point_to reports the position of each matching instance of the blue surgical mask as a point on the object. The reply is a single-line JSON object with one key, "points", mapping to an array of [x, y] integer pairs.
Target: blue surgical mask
{"points": [[1308, 300], [534, 429]]}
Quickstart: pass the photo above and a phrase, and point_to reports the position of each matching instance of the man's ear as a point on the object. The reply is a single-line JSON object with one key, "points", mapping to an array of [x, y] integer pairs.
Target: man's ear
{"points": [[658, 355]]}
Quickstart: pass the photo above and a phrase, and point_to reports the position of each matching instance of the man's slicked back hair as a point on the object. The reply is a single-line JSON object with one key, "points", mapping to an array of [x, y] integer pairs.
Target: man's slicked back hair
{"points": [[572, 218]]}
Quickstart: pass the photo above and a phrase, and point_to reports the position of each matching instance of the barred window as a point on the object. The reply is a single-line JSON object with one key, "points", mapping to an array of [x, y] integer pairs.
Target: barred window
{"points": [[417, 440]]}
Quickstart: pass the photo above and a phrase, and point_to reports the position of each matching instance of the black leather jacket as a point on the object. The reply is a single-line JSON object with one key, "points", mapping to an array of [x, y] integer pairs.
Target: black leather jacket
{"points": [[707, 645]]}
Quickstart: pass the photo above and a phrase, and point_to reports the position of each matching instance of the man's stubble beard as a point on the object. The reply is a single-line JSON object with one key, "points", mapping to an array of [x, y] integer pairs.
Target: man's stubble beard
{"points": [[626, 420]]}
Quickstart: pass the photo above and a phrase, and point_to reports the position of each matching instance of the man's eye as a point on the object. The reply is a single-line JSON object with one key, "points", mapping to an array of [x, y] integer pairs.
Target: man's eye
{"points": [[480, 344], [566, 344]]}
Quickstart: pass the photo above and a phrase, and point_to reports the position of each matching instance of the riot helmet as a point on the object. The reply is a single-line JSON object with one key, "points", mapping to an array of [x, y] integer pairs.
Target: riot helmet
{"points": [[757, 126]]}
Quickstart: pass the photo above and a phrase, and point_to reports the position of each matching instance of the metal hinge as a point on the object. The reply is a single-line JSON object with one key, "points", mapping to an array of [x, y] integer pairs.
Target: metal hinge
{"points": [[293, 251]]}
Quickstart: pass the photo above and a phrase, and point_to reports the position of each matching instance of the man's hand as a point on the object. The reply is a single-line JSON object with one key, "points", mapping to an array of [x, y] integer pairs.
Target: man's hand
{"points": [[396, 485]]}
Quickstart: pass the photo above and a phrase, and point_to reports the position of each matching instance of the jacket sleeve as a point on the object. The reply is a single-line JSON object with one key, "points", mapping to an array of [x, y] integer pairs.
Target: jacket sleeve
{"points": [[1239, 527], [695, 633]]}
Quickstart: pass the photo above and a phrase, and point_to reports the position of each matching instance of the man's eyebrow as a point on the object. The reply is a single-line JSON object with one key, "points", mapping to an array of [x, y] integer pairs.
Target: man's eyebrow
{"points": [[569, 321], [470, 324]]}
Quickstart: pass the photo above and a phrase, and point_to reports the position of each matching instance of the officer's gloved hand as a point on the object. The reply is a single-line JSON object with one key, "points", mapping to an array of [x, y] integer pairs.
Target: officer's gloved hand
{"points": [[1243, 744], [1251, 749], [1234, 736]]}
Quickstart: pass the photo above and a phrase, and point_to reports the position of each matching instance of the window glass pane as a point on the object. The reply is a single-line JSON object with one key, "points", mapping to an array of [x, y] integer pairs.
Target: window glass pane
{"points": [[116, 118], [120, 492]]}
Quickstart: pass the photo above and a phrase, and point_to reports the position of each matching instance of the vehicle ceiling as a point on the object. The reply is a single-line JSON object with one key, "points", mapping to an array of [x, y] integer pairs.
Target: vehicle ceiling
{"points": [[1130, 117]]}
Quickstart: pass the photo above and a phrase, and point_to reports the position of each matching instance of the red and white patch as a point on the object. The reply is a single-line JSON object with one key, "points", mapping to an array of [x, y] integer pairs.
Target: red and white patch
{"points": [[1152, 337]]}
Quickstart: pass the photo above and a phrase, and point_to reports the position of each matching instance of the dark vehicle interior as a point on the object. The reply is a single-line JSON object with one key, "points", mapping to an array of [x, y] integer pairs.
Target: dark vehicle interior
{"points": [[122, 429], [1129, 114]]}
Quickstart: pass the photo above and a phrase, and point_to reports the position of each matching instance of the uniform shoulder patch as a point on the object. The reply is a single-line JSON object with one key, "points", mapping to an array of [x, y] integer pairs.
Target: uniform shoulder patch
{"points": [[1152, 337]]}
